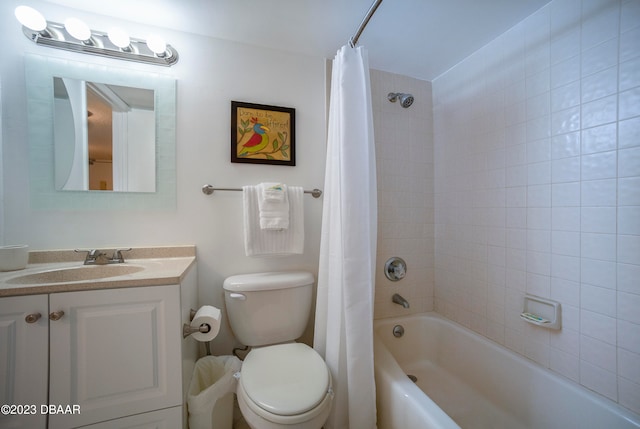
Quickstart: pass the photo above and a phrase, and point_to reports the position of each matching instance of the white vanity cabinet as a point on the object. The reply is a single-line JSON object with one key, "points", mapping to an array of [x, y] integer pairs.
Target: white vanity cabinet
{"points": [[24, 360], [112, 353]]}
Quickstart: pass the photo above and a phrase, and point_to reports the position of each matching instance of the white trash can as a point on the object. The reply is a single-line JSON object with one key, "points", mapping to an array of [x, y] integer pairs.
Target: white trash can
{"points": [[210, 396]]}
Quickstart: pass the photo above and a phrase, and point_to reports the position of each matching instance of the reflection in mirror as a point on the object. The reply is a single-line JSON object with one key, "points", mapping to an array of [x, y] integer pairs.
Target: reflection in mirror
{"points": [[104, 136]]}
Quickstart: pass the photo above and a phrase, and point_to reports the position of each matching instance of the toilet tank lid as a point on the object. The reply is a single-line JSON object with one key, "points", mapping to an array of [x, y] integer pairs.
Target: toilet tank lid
{"points": [[268, 281]]}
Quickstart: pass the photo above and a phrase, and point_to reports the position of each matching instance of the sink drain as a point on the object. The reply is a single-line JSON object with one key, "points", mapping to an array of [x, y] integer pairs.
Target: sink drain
{"points": [[412, 378]]}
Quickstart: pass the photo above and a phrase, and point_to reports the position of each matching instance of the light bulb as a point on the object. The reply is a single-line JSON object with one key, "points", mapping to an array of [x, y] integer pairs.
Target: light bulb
{"points": [[30, 18], [157, 45], [119, 37], [78, 29]]}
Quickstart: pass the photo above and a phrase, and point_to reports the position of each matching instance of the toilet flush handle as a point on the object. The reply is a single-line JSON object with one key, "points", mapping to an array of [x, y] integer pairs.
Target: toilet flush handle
{"points": [[240, 296]]}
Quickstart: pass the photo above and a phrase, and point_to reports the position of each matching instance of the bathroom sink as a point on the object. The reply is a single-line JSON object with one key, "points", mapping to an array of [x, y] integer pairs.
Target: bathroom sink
{"points": [[74, 274]]}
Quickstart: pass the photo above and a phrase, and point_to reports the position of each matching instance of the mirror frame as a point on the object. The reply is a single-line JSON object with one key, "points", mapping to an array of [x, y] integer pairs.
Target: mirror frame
{"points": [[39, 73]]}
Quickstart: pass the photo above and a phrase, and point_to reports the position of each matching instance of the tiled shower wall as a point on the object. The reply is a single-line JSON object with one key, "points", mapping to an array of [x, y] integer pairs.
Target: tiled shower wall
{"points": [[404, 154], [537, 190]]}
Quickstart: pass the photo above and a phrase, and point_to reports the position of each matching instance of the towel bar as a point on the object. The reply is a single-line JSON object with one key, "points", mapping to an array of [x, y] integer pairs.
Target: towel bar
{"points": [[208, 190]]}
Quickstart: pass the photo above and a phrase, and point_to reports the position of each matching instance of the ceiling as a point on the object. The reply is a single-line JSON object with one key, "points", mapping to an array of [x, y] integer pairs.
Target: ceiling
{"points": [[417, 38]]}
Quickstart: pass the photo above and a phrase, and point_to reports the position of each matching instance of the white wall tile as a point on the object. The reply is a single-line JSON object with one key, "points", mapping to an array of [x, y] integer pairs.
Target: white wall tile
{"points": [[564, 363], [598, 299], [565, 194], [598, 353], [566, 121], [598, 246], [629, 133], [565, 218], [599, 380], [598, 219], [629, 220], [599, 25], [629, 249], [600, 165], [566, 169], [567, 292], [599, 57], [560, 204], [599, 273], [630, 74], [628, 276], [628, 306], [598, 193], [599, 139], [629, 191], [601, 84], [565, 267], [564, 97], [629, 162], [629, 365], [598, 326], [629, 104], [565, 243], [565, 145], [629, 394], [629, 336], [629, 43]]}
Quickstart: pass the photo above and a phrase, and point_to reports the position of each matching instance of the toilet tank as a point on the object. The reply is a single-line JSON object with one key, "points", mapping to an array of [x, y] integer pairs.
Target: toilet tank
{"points": [[268, 308]]}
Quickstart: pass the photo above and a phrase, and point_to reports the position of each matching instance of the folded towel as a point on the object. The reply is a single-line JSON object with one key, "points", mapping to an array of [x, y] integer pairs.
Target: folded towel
{"points": [[273, 205], [268, 242], [273, 192]]}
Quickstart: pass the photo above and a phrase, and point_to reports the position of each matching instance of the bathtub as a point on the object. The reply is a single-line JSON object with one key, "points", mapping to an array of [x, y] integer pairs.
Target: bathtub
{"points": [[467, 381]]}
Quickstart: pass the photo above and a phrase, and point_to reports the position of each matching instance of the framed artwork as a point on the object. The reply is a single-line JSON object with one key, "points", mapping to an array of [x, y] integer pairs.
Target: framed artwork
{"points": [[262, 134]]}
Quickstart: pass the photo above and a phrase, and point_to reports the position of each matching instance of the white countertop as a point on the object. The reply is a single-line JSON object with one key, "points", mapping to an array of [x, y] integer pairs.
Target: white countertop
{"points": [[159, 266]]}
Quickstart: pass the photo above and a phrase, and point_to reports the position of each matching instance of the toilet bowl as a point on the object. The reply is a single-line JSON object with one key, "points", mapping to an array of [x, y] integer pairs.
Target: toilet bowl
{"points": [[282, 384], [285, 386]]}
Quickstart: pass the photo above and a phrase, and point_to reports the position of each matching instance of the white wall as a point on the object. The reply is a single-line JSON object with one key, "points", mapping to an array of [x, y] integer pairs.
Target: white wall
{"points": [[537, 156], [404, 155], [210, 73]]}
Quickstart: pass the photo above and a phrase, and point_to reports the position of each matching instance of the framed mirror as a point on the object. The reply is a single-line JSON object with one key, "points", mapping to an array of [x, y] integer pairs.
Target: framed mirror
{"points": [[99, 137]]}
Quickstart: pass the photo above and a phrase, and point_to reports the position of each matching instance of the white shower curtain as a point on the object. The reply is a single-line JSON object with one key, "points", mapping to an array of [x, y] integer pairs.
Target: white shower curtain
{"points": [[344, 309]]}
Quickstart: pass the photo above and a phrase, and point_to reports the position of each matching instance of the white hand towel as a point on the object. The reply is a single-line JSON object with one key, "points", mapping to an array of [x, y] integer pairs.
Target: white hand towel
{"points": [[266, 242], [273, 191], [273, 205]]}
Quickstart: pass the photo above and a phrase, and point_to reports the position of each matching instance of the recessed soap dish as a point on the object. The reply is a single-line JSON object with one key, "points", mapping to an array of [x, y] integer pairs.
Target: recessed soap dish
{"points": [[542, 312]]}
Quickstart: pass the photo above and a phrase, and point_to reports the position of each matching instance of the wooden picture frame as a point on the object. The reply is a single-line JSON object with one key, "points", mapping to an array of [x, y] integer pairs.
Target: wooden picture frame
{"points": [[262, 134]]}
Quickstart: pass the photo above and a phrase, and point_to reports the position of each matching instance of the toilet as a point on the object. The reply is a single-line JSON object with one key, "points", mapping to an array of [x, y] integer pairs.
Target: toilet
{"points": [[282, 384]]}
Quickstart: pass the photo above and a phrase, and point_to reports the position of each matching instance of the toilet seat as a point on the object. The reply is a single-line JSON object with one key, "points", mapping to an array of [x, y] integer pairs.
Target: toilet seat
{"points": [[285, 380]]}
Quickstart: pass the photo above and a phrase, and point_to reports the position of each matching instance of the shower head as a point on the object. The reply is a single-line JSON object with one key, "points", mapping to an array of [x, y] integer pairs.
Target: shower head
{"points": [[406, 100]]}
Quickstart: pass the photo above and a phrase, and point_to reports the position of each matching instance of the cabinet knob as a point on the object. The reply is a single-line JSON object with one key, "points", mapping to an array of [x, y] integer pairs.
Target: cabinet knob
{"points": [[56, 315], [32, 318]]}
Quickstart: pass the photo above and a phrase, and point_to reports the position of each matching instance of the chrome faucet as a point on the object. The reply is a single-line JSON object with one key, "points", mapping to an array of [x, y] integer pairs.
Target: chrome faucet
{"points": [[397, 299], [97, 257]]}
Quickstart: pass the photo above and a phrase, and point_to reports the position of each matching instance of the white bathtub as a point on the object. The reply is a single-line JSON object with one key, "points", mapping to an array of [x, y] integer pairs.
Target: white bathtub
{"points": [[465, 380]]}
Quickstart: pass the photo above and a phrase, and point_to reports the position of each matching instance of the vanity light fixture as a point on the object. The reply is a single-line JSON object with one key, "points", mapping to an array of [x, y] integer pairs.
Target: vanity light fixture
{"points": [[75, 35]]}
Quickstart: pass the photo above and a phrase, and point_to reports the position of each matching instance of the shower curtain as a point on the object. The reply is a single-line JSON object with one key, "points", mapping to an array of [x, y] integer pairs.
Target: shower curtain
{"points": [[344, 308]]}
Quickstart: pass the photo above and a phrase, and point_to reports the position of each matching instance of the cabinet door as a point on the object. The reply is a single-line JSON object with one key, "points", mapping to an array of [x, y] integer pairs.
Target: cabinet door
{"points": [[114, 353], [24, 360]]}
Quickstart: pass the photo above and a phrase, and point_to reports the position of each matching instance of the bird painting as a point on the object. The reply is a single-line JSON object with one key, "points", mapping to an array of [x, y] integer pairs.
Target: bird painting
{"points": [[257, 141]]}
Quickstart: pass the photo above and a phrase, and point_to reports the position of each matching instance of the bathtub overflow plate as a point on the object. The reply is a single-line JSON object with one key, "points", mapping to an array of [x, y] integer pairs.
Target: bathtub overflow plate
{"points": [[398, 331]]}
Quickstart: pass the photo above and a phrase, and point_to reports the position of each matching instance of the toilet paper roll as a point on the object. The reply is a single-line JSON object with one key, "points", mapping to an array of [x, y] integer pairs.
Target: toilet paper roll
{"points": [[209, 315]]}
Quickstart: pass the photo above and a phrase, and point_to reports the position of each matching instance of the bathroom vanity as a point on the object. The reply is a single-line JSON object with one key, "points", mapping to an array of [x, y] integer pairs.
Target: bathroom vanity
{"points": [[77, 350]]}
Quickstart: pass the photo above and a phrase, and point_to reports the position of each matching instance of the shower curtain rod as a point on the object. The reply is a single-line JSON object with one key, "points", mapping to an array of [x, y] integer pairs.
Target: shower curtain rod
{"points": [[354, 39]]}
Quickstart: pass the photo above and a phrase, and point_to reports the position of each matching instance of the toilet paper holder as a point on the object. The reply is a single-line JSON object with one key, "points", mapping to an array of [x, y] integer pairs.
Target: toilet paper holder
{"points": [[187, 329]]}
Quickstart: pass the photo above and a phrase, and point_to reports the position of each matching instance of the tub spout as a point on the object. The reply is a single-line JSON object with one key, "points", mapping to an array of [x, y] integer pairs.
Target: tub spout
{"points": [[400, 300]]}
